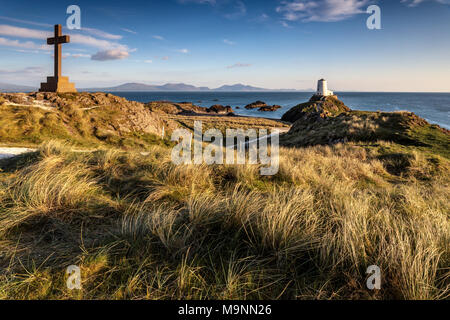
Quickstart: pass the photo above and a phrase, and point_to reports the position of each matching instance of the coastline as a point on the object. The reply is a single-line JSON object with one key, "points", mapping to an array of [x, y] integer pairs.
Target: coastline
{"points": [[433, 106]]}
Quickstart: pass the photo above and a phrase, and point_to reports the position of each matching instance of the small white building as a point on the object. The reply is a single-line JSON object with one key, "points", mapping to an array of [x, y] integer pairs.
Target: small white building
{"points": [[322, 89]]}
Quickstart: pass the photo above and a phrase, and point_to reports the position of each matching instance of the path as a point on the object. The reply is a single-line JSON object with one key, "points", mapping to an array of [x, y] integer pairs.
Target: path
{"points": [[6, 152]]}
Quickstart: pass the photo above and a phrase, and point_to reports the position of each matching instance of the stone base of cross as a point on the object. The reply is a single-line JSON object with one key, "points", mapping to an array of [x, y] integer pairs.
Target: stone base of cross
{"points": [[58, 83]]}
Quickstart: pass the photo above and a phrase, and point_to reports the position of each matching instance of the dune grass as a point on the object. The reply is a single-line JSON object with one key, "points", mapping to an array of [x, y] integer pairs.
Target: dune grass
{"points": [[404, 128], [88, 128], [140, 227]]}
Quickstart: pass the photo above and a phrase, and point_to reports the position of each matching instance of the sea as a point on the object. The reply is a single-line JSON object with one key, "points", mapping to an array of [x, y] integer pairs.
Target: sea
{"points": [[434, 107]]}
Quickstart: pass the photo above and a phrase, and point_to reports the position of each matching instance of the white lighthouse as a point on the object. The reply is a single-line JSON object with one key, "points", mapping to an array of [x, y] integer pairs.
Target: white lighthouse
{"points": [[322, 88]]}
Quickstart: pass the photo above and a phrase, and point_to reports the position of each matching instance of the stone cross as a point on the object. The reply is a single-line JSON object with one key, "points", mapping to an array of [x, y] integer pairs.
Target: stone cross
{"points": [[58, 83], [57, 41]]}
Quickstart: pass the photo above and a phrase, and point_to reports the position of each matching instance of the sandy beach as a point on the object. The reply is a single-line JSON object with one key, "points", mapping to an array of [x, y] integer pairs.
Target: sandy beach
{"points": [[12, 152]]}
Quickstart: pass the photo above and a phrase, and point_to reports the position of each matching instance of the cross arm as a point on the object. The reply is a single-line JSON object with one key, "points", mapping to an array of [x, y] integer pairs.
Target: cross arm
{"points": [[58, 40]]}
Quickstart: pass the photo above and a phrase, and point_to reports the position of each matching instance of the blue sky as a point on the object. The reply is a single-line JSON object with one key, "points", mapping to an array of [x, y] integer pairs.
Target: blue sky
{"points": [[271, 44]]}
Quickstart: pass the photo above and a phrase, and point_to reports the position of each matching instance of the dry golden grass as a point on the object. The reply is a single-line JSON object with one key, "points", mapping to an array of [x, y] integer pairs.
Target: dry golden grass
{"points": [[140, 227]]}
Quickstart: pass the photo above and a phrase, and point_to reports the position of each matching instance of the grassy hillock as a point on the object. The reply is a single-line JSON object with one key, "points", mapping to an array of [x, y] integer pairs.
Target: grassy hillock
{"points": [[92, 120], [84, 120], [316, 107], [403, 128]]}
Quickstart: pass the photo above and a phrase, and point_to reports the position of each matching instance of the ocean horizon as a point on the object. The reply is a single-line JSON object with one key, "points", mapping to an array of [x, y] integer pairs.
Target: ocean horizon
{"points": [[434, 107]]}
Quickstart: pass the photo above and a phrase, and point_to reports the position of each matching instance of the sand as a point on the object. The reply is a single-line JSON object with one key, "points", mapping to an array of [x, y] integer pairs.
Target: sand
{"points": [[12, 152]]}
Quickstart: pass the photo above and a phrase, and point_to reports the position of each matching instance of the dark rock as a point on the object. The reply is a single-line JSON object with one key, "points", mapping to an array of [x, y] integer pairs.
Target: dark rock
{"points": [[317, 97], [269, 108], [256, 105], [182, 108], [219, 109]]}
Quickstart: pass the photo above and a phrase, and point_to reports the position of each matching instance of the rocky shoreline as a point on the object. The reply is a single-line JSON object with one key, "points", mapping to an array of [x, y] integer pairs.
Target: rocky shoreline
{"points": [[106, 117], [97, 119]]}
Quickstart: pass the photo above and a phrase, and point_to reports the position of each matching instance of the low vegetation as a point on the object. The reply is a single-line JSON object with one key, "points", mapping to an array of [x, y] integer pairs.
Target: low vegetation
{"points": [[403, 128], [102, 120], [355, 189], [84, 120], [140, 227], [316, 107]]}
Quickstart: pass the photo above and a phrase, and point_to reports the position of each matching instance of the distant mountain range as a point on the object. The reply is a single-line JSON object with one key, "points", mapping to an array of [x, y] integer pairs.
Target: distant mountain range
{"points": [[141, 87], [7, 87], [181, 87]]}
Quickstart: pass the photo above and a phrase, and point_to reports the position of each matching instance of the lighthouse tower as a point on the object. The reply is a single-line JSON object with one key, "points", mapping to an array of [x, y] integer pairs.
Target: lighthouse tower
{"points": [[322, 89]]}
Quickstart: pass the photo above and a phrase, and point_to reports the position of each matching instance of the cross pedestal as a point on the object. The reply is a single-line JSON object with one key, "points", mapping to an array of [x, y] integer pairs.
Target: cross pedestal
{"points": [[58, 83]]}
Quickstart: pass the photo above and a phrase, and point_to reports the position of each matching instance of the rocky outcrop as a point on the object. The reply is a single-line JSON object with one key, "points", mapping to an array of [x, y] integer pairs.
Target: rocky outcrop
{"points": [[219, 109], [318, 107], [364, 126], [97, 119], [262, 106], [256, 105], [182, 108], [326, 120], [57, 100], [101, 113], [269, 108], [187, 108], [318, 97]]}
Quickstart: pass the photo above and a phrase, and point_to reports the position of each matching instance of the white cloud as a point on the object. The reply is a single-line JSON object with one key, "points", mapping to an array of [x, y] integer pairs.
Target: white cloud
{"points": [[110, 55], [414, 3], [97, 43], [229, 42], [77, 55], [93, 31], [18, 44], [75, 38], [211, 2], [157, 37], [28, 51], [321, 10], [240, 10], [128, 30], [108, 50], [263, 17], [183, 51], [231, 9], [148, 61], [8, 30], [26, 22], [102, 34], [331, 10], [239, 65], [28, 70]]}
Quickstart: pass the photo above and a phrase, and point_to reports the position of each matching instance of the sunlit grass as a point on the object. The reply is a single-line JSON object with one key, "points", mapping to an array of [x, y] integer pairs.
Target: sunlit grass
{"points": [[140, 227]]}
